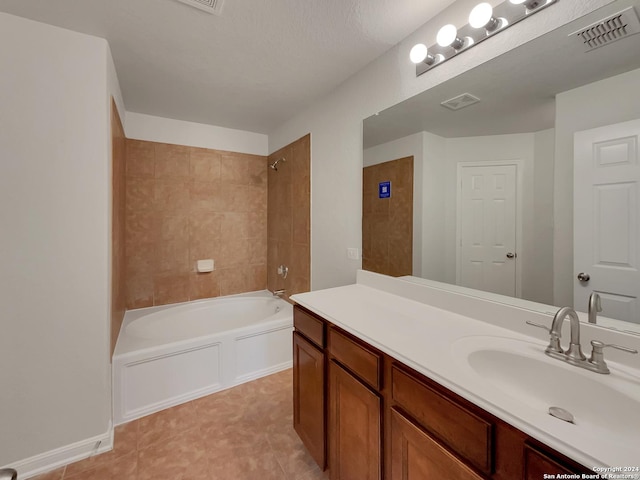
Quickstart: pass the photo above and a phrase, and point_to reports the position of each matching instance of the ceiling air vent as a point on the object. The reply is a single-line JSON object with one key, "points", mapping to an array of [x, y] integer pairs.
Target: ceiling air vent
{"points": [[604, 32], [210, 6], [461, 101]]}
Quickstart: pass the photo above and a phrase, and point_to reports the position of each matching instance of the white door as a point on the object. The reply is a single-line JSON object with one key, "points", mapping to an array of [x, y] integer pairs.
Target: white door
{"points": [[605, 225], [487, 228]]}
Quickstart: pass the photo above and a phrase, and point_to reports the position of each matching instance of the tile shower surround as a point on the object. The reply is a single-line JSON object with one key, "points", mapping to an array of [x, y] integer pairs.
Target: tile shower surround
{"points": [[184, 204], [289, 217], [118, 281], [244, 433], [387, 223]]}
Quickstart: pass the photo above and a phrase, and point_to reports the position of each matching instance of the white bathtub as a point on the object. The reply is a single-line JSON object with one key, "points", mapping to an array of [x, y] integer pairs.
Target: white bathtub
{"points": [[172, 354]]}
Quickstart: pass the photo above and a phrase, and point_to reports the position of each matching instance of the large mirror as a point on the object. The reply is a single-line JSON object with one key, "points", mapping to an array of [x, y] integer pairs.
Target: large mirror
{"points": [[529, 193]]}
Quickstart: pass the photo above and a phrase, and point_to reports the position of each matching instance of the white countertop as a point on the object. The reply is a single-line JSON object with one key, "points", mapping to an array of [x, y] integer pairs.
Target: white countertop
{"points": [[430, 340]]}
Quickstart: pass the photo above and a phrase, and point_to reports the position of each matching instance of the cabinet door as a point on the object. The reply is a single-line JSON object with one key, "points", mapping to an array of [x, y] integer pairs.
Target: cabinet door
{"points": [[308, 397], [417, 456], [355, 428], [537, 464]]}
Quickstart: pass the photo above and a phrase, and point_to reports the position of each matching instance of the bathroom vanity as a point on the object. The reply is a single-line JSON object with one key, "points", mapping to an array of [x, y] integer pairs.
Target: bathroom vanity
{"points": [[387, 386]]}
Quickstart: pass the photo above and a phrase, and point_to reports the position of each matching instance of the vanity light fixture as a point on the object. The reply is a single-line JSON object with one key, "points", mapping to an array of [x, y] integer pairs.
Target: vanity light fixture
{"points": [[482, 16], [484, 22], [448, 37]]}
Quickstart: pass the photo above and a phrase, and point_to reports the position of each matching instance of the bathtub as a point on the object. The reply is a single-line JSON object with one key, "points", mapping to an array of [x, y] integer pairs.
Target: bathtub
{"points": [[172, 354]]}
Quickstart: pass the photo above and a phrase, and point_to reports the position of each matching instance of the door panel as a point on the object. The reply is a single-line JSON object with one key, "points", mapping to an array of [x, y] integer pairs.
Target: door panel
{"points": [[606, 227], [487, 228]]}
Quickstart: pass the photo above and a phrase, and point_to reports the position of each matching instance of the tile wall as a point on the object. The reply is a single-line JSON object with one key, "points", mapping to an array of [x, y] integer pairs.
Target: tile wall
{"points": [[387, 223], [185, 204], [118, 292], [289, 213]]}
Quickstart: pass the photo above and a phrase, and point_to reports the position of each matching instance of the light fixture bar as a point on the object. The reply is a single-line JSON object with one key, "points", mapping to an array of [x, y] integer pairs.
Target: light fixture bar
{"points": [[502, 17]]}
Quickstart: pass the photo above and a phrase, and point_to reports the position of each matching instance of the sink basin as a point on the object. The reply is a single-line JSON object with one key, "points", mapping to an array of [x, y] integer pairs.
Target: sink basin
{"points": [[519, 370]]}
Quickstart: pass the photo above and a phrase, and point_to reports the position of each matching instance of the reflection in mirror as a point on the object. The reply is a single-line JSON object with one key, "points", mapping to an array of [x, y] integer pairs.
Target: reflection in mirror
{"points": [[498, 206]]}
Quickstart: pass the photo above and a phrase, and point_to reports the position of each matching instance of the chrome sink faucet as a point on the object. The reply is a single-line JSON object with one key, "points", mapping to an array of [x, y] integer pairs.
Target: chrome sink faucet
{"points": [[573, 355], [595, 306]]}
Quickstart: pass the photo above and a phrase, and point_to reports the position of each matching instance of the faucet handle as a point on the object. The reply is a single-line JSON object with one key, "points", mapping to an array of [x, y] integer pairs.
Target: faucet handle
{"points": [[554, 340], [597, 357], [539, 325], [598, 346]]}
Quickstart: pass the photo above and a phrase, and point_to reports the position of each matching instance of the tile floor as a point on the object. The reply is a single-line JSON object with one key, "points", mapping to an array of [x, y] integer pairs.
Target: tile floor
{"points": [[244, 433]]}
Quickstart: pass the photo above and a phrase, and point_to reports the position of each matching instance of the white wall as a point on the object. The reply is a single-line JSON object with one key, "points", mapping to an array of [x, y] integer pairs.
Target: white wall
{"points": [[435, 206], [433, 222], [54, 250], [490, 149], [166, 130], [541, 290], [608, 101], [335, 123]]}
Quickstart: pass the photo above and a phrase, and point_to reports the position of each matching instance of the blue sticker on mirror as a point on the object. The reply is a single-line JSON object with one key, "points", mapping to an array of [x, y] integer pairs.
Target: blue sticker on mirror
{"points": [[384, 190]]}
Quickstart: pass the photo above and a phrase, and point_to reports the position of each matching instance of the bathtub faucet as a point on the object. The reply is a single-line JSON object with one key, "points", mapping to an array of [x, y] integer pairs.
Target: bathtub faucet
{"points": [[278, 293]]}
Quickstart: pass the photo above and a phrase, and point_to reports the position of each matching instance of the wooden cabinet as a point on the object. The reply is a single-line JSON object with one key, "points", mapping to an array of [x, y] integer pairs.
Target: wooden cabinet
{"points": [[308, 397], [537, 463], [354, 428], [379, 419], [470, 435], [415, 455]]}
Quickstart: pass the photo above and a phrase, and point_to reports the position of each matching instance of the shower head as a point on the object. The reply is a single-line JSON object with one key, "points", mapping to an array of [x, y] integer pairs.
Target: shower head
{"points": [[274, 165]]}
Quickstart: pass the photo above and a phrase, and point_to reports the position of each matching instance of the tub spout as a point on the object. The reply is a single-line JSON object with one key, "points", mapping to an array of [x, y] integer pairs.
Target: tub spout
{"points": [[279, 293]]}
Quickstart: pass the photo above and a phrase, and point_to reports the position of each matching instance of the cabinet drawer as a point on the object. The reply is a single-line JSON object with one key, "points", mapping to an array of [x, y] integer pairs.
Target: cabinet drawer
{"points": [[360, 360], [464, 432], [310, 326], [417, 456]]}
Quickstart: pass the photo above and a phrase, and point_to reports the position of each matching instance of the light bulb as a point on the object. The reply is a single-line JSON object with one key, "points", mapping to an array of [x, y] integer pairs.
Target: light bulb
{"points": [[418, 53], [480, 15], [447, 35], [530, 4]]}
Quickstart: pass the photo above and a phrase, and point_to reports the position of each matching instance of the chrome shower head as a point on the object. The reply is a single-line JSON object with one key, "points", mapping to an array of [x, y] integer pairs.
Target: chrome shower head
{"points": [[274, 165]]}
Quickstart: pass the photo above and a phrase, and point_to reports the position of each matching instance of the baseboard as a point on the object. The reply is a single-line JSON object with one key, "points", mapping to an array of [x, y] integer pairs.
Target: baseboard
{"points": [[45, 462]]}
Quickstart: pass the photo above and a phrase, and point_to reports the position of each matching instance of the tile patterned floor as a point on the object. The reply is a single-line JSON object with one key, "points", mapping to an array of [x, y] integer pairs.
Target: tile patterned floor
{"points": [[244, 433]]}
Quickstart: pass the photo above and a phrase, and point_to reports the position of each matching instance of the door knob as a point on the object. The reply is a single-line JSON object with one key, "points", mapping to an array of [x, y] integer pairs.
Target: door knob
{"points": [[584, 277], [511, 255]]}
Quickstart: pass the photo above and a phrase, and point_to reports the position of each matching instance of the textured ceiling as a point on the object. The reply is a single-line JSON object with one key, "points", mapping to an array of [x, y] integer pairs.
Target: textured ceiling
{"points": [[251, 68]]}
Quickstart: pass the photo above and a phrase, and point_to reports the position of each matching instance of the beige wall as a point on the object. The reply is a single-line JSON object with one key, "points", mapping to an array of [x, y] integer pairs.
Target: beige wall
{"points": [[387, 223], [289, 217], [118, 291], [184, 204]]}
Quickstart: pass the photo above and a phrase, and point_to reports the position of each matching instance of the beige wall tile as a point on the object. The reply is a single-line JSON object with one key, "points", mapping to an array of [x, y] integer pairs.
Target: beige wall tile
{"points": [[171, 196], [204, 285], [172, 161], [140, 194], [234, 253], [204, 164], [233, 281], [257, 251], [140, 159], [234, 169], [235, 226], [172, 257], [288, 216], [170, 288], [194, 204], [257, 277]]}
